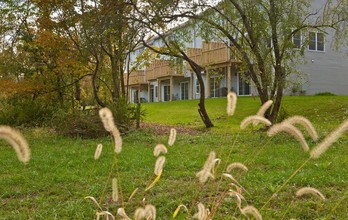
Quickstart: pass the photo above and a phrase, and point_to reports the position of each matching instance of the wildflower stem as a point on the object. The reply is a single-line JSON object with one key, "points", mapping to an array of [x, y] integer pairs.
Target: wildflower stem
{"points": [[282, 186]]}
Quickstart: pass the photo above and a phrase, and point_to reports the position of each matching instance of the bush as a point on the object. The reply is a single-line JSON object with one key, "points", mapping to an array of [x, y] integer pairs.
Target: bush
{"points": [[18, 111], [85, 124], [324, 94]]}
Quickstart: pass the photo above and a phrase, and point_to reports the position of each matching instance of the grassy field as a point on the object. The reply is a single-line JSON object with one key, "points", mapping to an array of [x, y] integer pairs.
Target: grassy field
{"points": [[62, 171]]}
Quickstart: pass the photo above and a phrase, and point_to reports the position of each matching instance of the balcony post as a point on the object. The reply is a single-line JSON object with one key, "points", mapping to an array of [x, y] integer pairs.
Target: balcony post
{"points": [[159, 90], [191, 85], [207, 84], [171, 89], [228, 78], [148, 91]]}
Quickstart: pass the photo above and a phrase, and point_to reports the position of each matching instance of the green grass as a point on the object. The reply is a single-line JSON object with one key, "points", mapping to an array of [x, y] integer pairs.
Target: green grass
{"points": [[62, 171]]}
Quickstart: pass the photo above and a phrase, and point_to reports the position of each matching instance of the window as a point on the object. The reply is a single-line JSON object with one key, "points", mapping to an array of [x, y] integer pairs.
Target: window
{"points": [[297, 40], [184, 90], [244, 87], [316, 41], [198, 87], [166, 93]]}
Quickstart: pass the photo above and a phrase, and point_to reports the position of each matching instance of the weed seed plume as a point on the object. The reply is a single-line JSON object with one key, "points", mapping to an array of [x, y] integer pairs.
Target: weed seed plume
{"points": [[172, 137], [98, 151], [231, 103], [290, 129], [251, 210], [263, 110], [114, 190], [202, 213], [305, 123], [17, 141], [159, 165], [254, 118], [160, 148], [109, 125], [310, 190], [150, 212], [236, 165], [329, 140], [206, 172], [121, 212]]}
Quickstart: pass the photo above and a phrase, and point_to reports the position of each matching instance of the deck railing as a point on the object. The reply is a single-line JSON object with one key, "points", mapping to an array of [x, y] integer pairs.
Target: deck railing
{"points": [[137, 77], [161, 68]]}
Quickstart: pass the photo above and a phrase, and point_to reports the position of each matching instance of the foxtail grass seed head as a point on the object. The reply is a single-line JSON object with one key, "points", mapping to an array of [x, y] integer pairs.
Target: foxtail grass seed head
{"points": [[239, 197], [159, 165], [231, 103], [17, 141], [251, 210], [329, 140], [206, 172], [160, 148], [264, 108], [254, 118], [236, 165], [305, 123], [310, 190], [114, 190], [98, 151], [202, 213], [150, 212], [139, 214], [107, 119], [172, 137], [109, 125], [121, 212], [290, 129]]}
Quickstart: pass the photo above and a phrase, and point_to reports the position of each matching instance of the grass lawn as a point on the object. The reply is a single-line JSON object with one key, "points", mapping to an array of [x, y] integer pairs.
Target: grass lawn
{"points": [[62, 171]]}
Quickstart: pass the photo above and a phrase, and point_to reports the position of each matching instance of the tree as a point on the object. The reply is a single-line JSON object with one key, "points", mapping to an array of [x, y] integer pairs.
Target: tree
{"points": [[156, 17], [260, 33]]}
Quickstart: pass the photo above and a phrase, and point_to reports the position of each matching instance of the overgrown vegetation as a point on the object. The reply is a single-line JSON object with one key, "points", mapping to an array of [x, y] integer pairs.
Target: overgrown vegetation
{"points": [[65, 168]]}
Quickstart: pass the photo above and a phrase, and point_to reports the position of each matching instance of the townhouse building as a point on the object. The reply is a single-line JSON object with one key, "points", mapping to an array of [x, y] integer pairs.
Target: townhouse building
{"points": [[322, 69]]}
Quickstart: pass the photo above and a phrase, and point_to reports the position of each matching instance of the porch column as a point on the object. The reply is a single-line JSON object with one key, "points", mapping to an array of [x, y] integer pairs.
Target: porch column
{"points": [[159, 90], [191, 85], [148, 92], [228, 78], [207, 85], [171, 89], [139, 89]]}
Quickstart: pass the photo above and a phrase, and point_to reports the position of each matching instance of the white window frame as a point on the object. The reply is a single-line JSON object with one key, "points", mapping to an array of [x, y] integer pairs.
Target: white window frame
{"points": [[188, 92], [316, 41], [301, 40]]}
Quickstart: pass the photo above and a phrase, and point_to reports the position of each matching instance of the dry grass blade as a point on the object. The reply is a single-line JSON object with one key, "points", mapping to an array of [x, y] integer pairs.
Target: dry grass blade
{"points": [[133, 193], [106, 213], [329, 140], [17, 141], [114, 190], [98, 151], [310, 190], [154, 182], [254, 118], [94, 200], [290, 129], [178, 209]]}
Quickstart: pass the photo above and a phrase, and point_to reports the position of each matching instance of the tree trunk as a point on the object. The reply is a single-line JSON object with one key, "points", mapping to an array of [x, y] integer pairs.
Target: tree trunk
{"points": [[94, 86]]}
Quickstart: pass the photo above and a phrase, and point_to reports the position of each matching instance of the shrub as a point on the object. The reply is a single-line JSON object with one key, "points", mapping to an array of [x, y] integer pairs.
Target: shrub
{"points": [[324, 94], [17, 111]]}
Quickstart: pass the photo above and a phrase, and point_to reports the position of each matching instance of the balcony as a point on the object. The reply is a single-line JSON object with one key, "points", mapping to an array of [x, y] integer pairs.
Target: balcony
{"points": [[161, 68], [136, 78], [215, 53]]}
